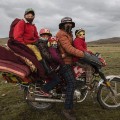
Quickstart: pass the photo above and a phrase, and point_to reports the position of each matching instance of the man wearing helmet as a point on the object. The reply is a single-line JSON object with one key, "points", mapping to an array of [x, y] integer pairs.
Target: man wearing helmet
{"points": [[67, 50]]}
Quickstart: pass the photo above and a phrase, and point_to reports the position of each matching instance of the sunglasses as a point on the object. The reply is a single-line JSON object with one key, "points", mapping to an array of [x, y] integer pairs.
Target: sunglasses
{"points": [[81, 34]]}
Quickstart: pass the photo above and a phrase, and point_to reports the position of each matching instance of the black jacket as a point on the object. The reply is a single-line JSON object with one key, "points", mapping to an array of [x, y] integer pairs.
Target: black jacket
{"points": [[42, 46]]}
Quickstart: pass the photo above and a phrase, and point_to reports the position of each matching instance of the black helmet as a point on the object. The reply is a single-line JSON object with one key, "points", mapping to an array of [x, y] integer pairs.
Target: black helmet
{"points": [[66, 20]]}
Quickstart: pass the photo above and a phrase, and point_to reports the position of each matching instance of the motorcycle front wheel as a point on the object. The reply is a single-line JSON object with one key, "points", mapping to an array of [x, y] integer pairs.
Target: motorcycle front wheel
{"points": [[36, 105], [105, 97]]}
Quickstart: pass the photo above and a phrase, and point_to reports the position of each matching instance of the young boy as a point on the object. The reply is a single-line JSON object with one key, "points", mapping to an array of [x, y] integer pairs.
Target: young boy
{"points": [[53, 78], [80, 44], [42, 45], [48, 48]]}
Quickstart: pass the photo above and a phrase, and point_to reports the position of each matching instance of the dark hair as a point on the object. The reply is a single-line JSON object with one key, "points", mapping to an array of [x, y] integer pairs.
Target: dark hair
{"points": [[80, 30], [76, 31]]}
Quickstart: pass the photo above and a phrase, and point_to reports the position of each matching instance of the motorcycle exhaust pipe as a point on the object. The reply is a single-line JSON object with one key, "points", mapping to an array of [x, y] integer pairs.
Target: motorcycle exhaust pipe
{"points": [[50, 100], [41, 99]]}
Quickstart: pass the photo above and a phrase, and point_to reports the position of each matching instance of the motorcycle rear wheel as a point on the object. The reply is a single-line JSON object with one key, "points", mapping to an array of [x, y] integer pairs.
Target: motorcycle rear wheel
{"points": [[106, 99], [36, 105]]}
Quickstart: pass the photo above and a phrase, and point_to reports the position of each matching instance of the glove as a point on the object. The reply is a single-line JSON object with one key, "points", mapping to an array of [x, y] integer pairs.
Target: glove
{"points": [[91, 59], [98, 55], [89, 52]]}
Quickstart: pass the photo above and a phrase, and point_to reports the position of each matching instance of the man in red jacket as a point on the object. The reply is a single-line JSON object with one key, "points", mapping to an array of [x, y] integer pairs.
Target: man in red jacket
{"points": [[26, 33]]}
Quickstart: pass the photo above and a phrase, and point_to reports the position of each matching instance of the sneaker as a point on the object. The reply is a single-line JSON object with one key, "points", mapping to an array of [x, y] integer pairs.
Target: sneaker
{"points": [[89, 86], [86, 87], [44, 94]]}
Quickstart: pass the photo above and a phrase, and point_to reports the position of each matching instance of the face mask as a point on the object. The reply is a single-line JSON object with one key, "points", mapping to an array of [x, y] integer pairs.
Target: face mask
{"points": [[30, 20], [44, 39], [54, 45]]}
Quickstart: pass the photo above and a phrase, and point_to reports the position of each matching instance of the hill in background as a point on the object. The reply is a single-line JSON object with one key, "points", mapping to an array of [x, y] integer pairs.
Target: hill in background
{"points": [[3, 41], [113, 40]]}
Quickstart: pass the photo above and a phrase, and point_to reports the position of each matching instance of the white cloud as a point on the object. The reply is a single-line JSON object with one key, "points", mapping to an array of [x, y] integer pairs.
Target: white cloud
{"points": [[100, 19]]}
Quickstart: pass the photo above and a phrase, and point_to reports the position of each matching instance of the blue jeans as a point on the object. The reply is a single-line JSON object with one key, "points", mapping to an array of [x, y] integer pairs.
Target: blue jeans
{"points": [[67, 73], [55, 79]]}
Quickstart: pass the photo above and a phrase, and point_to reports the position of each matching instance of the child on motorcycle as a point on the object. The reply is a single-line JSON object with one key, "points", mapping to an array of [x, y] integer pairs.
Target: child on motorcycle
{"points": [[54, 52], [42, 44], [80, 44], [48, 47]]}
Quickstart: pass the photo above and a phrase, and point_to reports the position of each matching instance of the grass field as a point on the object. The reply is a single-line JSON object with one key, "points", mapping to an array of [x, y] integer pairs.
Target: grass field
{"points": [[13, 106]]}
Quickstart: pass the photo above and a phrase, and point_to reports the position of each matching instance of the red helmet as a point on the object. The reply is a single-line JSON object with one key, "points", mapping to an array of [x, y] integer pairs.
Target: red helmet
{"points": [[52, 39], [45, 31]]}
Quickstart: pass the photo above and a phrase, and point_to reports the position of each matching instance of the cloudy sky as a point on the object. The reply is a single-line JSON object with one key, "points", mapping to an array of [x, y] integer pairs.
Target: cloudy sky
{"points": [[100, 19]]}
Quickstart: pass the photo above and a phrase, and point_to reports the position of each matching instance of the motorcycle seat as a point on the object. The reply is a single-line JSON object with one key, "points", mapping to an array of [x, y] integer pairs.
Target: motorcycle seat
{"points": [[14, 68]]}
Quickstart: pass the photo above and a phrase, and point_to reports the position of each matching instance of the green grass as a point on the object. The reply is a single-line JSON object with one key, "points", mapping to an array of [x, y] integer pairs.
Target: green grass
{"points": [[13, 106]]}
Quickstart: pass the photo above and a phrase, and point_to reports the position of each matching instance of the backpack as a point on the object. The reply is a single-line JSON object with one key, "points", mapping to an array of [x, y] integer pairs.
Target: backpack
{"points": [[12, 26]]}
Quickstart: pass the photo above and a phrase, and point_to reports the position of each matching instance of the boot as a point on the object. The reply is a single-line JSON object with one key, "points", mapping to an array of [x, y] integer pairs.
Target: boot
{"points": [[69, 114], [47, 68]]}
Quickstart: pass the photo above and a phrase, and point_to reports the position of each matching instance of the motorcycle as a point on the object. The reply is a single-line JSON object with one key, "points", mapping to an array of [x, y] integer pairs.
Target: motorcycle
{"points": [[106, 90]]}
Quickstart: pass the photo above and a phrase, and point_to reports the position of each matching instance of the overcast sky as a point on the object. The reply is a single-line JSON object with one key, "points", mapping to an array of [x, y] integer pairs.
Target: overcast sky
{"points": [[100, 19]]}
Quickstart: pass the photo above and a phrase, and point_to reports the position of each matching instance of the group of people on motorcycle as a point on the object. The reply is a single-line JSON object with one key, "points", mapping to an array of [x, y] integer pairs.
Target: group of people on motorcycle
{"points": [[52, 52]]}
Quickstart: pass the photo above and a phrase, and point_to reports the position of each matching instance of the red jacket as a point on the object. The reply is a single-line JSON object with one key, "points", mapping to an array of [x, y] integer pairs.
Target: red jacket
{"points": [[25, 32], [80, 44]]}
